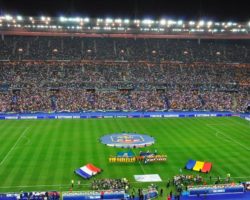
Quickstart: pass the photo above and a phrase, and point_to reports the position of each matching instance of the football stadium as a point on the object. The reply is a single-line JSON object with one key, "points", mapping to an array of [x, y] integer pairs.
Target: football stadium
{"points": [[123, 108]]}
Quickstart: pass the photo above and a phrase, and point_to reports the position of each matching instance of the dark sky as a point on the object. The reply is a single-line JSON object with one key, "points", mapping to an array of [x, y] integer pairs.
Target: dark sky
{"points": [[236, 10]]}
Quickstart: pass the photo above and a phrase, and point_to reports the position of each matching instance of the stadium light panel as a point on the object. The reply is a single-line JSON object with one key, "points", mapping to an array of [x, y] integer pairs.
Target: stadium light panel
{"points": [[171, 22], [43, 18], [8, 17], [126, 21], [209, 23], [118, 21], [147, 21], [179, 22], [109, 20], [191, 23], [229, 23], [163, 22], [86, 19], [137, 21], [62, 19], [201, 23], [19, 18], [77, 19]]}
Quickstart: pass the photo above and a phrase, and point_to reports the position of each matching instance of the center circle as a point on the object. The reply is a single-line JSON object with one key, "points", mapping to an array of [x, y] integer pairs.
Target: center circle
{"points": [[127, 140]]}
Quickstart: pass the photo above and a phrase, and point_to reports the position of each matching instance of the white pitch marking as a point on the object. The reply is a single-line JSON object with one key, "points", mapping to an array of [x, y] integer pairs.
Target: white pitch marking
{"points": [[140, 164], [227, 137], [13, 147]]}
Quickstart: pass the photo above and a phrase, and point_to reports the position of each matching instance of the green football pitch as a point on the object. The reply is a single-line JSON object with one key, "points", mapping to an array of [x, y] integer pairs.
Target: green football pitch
{"points": [[43, 154]]}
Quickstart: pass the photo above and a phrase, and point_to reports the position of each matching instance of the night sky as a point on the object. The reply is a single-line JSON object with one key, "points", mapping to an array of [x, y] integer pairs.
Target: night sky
{"points": [[235, 10]]}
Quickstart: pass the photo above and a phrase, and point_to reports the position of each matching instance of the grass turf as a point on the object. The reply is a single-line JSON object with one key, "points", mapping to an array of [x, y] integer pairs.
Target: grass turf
{"points": [[42, 154]]}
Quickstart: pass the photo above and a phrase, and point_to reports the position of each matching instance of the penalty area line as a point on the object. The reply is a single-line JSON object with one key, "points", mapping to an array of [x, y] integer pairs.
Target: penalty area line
{"points": [[13, 147], [227, 137]]}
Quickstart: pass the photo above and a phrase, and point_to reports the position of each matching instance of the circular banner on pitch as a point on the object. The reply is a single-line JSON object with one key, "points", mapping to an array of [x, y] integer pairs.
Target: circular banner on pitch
{"points": [[127, 140]]}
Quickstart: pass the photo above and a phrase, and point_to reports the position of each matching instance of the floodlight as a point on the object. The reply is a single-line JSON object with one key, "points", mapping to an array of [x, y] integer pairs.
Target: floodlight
{"points": [[180, 22], [109, 20], [62, 19], [86, 19], [147, 21], [201, 23], [77, 19], [43, 18], [209, 23], [118, 21], [8, 17], [19, 18], [171, 22], [191, 23], [126, 21], [162, 22]]}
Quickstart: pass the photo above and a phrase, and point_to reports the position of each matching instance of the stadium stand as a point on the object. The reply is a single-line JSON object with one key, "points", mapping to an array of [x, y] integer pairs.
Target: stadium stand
{"points": [[58, 87], [79, 74]]}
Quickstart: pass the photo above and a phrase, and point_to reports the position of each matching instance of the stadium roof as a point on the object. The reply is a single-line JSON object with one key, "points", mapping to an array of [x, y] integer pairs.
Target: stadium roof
{"points": [[119, 25]]}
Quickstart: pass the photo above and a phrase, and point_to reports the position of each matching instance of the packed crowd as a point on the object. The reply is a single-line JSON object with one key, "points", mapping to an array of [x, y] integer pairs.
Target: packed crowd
{"points": [[123, 74], [76, 48], [69, 100], [187, 179], [79, 86], [110, 184], [182, 181]]}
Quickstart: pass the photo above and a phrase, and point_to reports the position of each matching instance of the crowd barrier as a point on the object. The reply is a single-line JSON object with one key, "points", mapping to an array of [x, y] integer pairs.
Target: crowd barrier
{"points": [[108, 194], [120, 114], [216, 189], [52, 195]]}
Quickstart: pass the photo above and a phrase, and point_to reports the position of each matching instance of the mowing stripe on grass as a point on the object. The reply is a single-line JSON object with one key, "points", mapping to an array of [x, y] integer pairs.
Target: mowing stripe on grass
{"points": [[226, 136], [13, 147]]}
